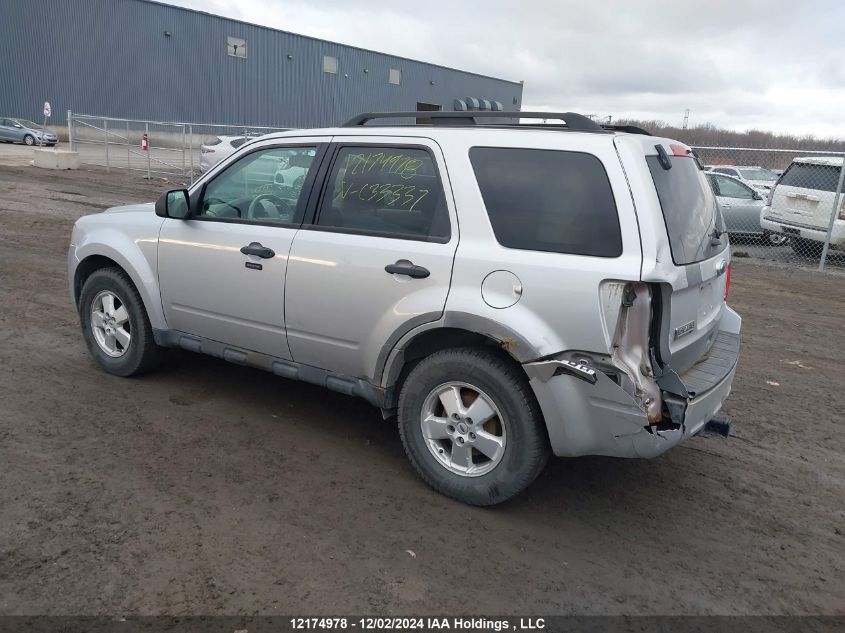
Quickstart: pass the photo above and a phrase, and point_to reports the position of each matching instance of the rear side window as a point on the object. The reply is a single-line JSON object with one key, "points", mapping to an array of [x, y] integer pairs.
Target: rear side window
{"points": [[689, 210], [386, 191], [807, 176], [548, 200]]}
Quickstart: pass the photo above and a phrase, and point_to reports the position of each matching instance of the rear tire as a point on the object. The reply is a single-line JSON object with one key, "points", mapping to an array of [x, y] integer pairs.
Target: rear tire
{"points": [[29, 139], [482, 461], [806, 248], [115, 325]]}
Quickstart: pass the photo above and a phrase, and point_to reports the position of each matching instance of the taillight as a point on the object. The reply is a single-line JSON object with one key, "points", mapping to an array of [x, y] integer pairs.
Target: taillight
{"points": [[727, 281], [770, 196]]}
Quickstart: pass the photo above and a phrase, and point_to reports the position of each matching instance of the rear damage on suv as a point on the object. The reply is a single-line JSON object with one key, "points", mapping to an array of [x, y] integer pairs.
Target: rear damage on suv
{"points": [[673, 340]]}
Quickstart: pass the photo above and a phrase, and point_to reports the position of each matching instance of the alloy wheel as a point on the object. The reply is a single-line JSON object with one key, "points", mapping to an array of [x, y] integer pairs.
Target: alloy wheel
{"points": [[110, 324], [463, 429]]}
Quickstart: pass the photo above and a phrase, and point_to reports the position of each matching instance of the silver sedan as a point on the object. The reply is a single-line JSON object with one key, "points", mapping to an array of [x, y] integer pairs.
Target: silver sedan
{"points": [[741, 206], [26, 132]]}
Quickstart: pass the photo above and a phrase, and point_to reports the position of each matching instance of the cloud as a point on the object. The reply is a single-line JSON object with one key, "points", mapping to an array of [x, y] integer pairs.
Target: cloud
{"points": [[739, 64]]}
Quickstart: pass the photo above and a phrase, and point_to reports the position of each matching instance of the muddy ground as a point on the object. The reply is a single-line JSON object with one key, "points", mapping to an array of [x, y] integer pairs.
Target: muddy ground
{"points": [[207, 488]]}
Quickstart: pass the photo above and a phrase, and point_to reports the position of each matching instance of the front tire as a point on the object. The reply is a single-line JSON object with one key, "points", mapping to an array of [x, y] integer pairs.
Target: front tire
{"points": [[29, 139], [115, 325], [471, 425]]}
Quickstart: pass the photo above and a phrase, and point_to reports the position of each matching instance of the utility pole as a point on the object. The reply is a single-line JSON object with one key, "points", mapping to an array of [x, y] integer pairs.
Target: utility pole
{"points": [[686, 118]]}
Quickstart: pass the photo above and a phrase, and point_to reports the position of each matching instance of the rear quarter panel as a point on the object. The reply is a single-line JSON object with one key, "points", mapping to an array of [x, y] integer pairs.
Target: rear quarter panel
{"points": [[560, 307]]}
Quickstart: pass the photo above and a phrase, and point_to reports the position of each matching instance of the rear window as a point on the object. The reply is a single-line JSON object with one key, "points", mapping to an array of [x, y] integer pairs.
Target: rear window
{"points": [[807, 176], [548, 200], [237, 142], [689, 209]]}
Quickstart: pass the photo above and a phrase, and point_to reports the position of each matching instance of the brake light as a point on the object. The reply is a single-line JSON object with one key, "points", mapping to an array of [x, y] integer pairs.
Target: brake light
{"points": [[727, 281], [770, 196], [680, 150]]}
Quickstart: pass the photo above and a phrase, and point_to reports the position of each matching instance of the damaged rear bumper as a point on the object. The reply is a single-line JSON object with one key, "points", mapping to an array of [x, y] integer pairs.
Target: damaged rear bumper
{"points": [[588, 413]]}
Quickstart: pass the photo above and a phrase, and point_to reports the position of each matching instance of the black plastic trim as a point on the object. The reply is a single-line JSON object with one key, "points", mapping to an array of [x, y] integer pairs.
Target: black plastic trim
{"points": [[348, 385], [574, 121]]}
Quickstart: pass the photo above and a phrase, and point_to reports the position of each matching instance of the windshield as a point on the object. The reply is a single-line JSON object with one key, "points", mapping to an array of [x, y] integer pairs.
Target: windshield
{"points": [[29, 124], [758, 173], [693, 222]]}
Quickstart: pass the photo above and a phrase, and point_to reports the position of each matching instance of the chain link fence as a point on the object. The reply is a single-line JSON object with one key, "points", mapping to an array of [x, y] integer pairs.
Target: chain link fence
{"points": [[156, 148], [780, 205]]}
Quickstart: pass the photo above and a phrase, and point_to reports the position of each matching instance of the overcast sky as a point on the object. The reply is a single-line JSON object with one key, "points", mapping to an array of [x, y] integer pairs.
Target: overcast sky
{"points": [[776, 65]]}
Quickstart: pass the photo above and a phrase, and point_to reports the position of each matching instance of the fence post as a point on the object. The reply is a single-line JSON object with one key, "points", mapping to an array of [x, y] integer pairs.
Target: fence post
{"points": [[191, 151], [183, 150], [147, 132], [833, 215], [106, 138], [70, 129]]}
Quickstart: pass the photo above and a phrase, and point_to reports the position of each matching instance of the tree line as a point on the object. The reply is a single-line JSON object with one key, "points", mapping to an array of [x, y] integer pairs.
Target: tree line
{"points": [[757, 142]]}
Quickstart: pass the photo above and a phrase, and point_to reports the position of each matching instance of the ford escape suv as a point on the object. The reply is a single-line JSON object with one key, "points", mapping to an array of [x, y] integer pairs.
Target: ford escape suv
{"points": [[505, 291]]}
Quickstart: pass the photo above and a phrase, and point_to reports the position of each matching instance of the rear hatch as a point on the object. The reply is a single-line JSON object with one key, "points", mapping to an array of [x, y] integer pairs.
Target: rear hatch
{"points": [[805, 193], [691, 305]]}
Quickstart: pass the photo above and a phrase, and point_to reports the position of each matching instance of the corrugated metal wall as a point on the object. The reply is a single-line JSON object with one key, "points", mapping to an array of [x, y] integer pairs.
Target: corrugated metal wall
{"points": [[112, 58]]}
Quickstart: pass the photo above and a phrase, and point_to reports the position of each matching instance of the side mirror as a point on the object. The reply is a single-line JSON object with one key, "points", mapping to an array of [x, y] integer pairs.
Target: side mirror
{"points": [[757, 196], [174, 204]]}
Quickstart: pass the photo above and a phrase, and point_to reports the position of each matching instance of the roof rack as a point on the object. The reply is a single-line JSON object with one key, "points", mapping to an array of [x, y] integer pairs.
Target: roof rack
{"points": [[630, 129], [572, 120]]}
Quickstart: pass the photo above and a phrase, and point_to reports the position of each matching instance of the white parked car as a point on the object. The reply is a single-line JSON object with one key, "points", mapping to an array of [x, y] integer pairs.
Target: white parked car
{"points": [[759, 178], [217, 148], [801, 205]]}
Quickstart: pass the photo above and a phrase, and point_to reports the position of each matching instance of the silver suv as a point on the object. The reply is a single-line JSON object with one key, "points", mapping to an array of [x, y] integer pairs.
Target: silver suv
{"points": [[505, 290]]}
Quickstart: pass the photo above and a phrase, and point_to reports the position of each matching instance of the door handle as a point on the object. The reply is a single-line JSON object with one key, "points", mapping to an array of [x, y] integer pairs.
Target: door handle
{"points": [[407, 268], [255, 248]]}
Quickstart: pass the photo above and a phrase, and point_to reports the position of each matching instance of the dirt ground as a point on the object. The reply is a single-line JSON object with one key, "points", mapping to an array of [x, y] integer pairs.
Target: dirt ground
{"points": [[208, 488]]}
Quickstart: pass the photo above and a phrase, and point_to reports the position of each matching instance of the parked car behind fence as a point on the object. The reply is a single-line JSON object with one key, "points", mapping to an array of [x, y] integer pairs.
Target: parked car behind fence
{"points": [[758, 178], [741, 206], [801, 205], [26, 132]]}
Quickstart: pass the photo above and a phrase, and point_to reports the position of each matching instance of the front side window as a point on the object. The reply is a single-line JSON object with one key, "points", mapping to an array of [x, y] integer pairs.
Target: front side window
{"points": [[548, 200], [730, 188], [264, 186], [387, 191]]}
